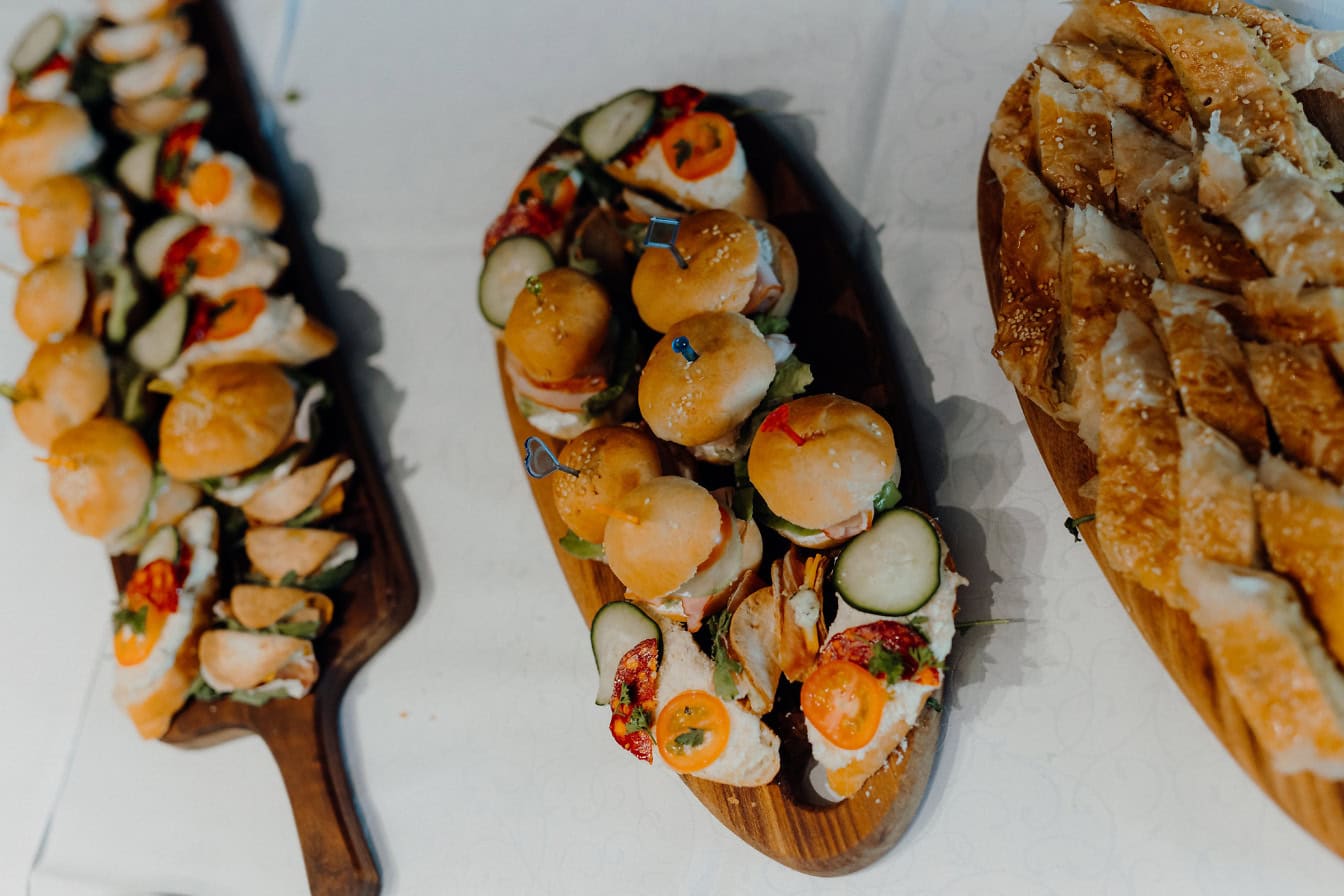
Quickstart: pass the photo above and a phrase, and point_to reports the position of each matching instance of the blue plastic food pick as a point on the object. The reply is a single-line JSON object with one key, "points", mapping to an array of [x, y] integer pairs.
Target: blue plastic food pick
{"points": [[540, 462], [662, 234], [682, 346]]}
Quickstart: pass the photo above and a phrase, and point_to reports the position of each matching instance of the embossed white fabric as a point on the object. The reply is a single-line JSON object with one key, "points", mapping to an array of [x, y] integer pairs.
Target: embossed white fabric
{"points": [[1071, 763]]}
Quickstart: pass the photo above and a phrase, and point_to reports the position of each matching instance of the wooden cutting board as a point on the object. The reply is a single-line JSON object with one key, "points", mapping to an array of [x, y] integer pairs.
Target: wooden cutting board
{"points": [[840, 324], [372, 605], [1314, 803]]}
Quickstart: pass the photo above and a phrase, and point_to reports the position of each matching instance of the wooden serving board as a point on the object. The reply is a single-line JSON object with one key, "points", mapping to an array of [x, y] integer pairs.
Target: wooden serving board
{"points": [[371, 606], [1314, 803], [840, 324]]}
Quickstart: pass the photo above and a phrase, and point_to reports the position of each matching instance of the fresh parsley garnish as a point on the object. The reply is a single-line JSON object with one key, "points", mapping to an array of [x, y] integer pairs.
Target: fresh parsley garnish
{"points": [[886, 663], [1072, 523], [917, 623], [622, 369], [289, 579], [134, 619], [639, 721], [887, 497], [202, 691], [687, 740], [581, 547], [306, 630], [725, 667], [624, 698], [684, 150], [533, 285], [924, 659], [306, 517]]}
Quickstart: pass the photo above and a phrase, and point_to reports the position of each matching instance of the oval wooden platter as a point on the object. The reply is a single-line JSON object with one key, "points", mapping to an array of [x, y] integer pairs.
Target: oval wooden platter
{"points": [[841, 327], [1314, 803], [371, 606]]}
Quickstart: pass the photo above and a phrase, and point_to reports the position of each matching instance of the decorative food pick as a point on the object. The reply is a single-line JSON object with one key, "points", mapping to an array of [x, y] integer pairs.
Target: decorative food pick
{"points": [[540, 461], [58, 462], [662, 234], [615, 514], [778, 420], [682, 346], [534, 285]]}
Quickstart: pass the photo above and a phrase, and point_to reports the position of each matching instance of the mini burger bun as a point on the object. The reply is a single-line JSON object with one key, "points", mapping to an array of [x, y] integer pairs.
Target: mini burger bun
{"points": [[612, 461], [225, 419], [679, 527], [101, 476], [38, 140], [695, 402], [54, 216], [560, 329], [49, 300], [721, 255], [65, 384], [849, 454]]}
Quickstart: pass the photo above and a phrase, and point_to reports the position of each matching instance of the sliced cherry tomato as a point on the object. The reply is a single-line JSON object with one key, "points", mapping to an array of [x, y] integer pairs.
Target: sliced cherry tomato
{"points": [[674, 103], [692, 731], [844, 702], [634, 691], [178, 261], [699, 145], [548, 184], [216, 255], [209, 184], [131, 647], [236, 312]]}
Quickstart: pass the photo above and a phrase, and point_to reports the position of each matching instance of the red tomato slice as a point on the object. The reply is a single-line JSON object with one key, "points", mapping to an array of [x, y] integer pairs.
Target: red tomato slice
{"points": [[174, 273], [699, 145], [172, 163], [844, 702], [635, 688], [856, 644]]}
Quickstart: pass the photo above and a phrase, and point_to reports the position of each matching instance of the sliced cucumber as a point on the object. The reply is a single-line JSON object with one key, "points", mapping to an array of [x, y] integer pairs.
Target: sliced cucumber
{"points": [[136, 167], [135, 408], [124, 297], [614, 126], [617, 628], [39, 43], [164, 544], [892, 569], [158, 343], [505, 272]]}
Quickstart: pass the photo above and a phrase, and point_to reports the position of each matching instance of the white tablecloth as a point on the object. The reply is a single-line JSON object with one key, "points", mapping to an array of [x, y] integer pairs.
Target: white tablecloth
{"points": [[1071, 762]]}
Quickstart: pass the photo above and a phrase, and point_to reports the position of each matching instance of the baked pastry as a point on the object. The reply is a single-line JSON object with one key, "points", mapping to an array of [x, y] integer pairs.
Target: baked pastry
{"points": [[1295, 225], [1146, 164], [1282, 311], [1193, 249], [1073, 140], [1222, 176], [1217, 503], [1305, 403]]}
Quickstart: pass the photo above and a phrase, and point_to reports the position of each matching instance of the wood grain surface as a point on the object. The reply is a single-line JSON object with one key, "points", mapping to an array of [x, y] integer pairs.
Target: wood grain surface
{"points": [[840, 326], [371, 606], [1314, 803]]}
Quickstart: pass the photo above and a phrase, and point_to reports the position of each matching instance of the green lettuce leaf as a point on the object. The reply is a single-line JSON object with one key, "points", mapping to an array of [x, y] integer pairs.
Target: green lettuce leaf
{"points": [[581, 547]]}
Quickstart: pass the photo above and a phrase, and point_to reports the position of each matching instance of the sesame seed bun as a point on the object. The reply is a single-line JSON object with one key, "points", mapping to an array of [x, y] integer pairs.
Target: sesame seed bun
{"points": [[54, 217], [103, 477], [558, 331], [66, 383], [612, 461], [849, 453], [225, 419], [49, 300], [679, 526], [695, 402], [38, 140], [721, 253]]}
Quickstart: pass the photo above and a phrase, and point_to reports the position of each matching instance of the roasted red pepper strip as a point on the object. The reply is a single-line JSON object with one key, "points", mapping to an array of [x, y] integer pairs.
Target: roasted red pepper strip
{"points": [[856, 645], [635, 690], [155, 584], [171, 169], [202, 315], [177, 260]]}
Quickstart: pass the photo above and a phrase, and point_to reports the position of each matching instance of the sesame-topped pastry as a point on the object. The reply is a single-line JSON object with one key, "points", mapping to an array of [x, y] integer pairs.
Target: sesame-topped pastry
{"points": [[1305, 403], [1073, 141], [1217, 508], [1194, 249], [609, 462], [1295, 225]]}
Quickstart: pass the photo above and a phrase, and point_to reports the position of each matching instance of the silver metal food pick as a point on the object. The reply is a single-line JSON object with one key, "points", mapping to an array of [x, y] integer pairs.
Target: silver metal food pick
{"points": [[682, 346], [540, 462], [662, 234]]}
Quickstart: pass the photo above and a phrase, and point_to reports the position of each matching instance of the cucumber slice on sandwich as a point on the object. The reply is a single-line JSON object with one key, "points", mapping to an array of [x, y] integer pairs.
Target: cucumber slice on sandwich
{"points": [[508, 266], [39, 43], [894, 568], [614, 126], [617, 628], [158, 343]]}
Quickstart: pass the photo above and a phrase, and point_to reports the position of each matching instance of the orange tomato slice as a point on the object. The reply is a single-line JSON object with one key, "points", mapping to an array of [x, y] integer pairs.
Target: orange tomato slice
{"points": [[562, 189], [699, 145], [692, 731], [241, 308], [844, 702], [130, 647], [209, 184], [216, 255]]}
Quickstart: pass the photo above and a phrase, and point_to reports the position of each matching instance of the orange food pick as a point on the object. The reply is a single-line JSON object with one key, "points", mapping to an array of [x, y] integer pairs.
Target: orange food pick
{"points": [[240, 308], [209, 184], [216, 255], [692, 731], [615, 514], [699, 145], [58, 462], [844, 702]]}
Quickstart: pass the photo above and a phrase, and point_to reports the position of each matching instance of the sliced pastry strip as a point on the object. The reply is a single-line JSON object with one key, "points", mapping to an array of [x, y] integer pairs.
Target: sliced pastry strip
{"points": [[1305, 403], [1222, 175], [1135, 80], [1073, 140], [1217, 503], [1283, 311], [1194, 249], [1146, 164], [1011, 141], [1295, 225]]}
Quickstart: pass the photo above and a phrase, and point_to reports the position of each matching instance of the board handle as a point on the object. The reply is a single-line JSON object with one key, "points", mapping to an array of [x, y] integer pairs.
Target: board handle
{"points": [[336, 852]]}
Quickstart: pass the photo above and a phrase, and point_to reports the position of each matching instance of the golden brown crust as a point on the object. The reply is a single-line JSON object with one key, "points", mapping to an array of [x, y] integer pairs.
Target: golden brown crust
{"points": [[50, 299], [283, 499], [1133, 79], [38, 140], [261, 606], [1217, 508], [1193, 249], [1305, 403], [1284, 312], [721, 254], [696, 402], [849, 453], [275, 551], [54, 217], [559, 330], [612, 461], [1146, 165], [679, 526], [1295, 225], [1073, 141], [225, 419], [66, 383], [101, 477], [1011, 136]]}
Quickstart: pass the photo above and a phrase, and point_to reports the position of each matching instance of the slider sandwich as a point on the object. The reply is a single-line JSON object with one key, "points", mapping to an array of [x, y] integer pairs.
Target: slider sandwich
{"points": [[40, 139], [273, 610], [42, 60], [568, 359], [183, 172], [823, 466], [732, 264], [611, 461], [105, 486], [165, 608], [171, 73], [307, 495], [235, 427], [254, 667], [187, 256], [680, 550], [701, 393], [137, 40], [66, 383], [311, 559], [50, 299], [71, 215]]}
